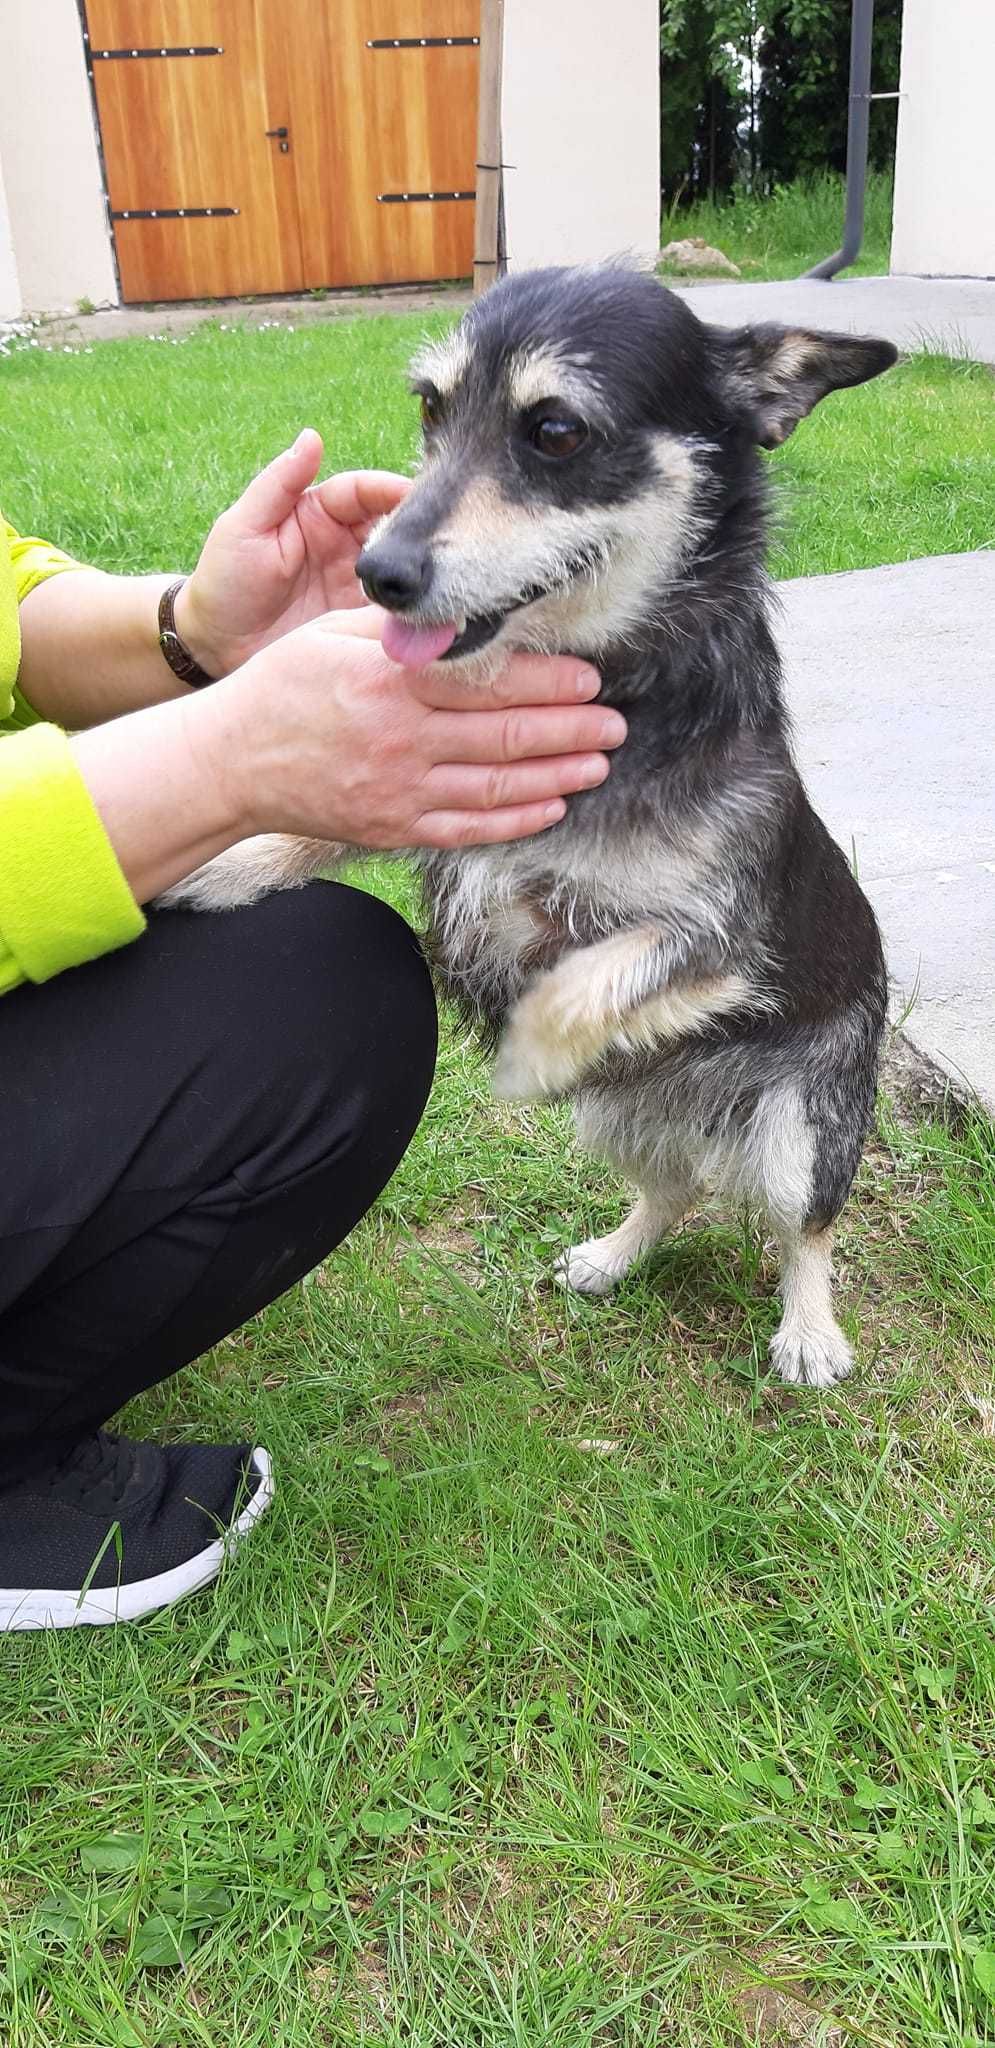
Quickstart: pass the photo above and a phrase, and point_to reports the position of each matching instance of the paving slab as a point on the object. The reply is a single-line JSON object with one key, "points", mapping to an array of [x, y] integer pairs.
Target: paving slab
{"points": [[891, 684], [953, 316]]}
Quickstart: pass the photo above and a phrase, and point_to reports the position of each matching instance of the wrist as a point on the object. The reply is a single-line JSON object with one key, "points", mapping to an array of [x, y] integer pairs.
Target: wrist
{"points": [[195, 633], [220, 728]]}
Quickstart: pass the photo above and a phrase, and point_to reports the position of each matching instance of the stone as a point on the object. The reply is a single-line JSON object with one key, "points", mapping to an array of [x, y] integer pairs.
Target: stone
{"points": [[694, 253]]}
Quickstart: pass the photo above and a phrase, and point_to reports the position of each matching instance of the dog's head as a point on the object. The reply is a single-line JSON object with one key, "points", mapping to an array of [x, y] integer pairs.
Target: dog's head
{"points": [[583, 434]]}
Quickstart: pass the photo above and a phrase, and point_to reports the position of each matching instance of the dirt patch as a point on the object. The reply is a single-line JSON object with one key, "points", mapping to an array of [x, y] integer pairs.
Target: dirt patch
{"points": [[781, 2019], [916, 1086]]}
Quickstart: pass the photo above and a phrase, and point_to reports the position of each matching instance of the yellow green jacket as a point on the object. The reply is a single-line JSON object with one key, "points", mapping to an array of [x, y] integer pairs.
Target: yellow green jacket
{"points": [[63, 897]]}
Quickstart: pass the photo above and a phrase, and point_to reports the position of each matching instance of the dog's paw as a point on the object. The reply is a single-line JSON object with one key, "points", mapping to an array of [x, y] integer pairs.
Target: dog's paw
{"points": [[811, 1358], [590, 1268], [526, 1072]]}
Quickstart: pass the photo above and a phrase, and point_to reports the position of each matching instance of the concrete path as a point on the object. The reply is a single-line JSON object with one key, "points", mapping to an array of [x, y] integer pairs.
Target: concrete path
{"points": [[118, 323], [891, 682], [953, 316]]}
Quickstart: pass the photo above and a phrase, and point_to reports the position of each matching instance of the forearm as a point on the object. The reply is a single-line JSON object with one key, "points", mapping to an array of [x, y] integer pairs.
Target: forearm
{"points": [[163, 807], [90, 647]]}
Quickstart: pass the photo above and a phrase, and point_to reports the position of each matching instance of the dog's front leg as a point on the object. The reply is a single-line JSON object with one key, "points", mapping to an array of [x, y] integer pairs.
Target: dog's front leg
{"points": [[627, 993]]}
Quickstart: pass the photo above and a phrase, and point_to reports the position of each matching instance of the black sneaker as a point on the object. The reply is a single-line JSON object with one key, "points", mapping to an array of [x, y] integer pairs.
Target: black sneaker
{"points": [[118, 1529]]}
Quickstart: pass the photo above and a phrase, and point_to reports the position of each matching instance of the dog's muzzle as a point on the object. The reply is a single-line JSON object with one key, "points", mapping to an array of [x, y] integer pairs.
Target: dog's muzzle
{"points": [[399, 576]]}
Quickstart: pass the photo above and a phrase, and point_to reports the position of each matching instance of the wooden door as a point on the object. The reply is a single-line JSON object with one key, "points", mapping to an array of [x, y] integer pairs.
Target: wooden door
{"points": [[203, 201], [206, 203], [384, 138]]}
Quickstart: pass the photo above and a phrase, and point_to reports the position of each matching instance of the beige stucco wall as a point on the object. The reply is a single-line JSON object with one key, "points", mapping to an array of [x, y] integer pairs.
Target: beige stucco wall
{"points": [[582, 128], [10, 283], [944, 222], [49, 159]]}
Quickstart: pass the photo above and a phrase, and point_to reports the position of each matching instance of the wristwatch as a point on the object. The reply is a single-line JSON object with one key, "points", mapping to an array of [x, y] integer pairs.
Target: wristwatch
{"points": [[178, 656]]}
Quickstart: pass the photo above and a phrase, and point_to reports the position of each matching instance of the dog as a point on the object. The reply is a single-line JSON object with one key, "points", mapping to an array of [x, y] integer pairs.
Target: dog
{"points": [[687, 955]]}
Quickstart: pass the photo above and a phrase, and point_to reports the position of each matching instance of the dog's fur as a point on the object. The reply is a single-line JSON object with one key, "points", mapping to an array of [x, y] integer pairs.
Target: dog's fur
{"points": [[687, 955]]}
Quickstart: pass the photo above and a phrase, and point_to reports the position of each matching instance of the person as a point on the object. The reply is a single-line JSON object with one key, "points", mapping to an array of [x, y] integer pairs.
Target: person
{"points": [[195, 1109]]}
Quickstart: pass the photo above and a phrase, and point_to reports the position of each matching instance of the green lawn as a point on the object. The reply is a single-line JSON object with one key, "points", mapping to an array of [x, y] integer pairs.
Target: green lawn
{"points": [[782, 234], [583, 1689]]}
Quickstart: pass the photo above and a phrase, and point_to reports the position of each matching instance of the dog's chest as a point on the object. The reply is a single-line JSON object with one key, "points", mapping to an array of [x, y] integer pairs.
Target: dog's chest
{"points": [[495, 920]]}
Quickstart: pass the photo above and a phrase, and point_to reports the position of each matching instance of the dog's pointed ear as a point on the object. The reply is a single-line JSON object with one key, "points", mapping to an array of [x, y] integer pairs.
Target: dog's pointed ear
{"points": [[777, 374]]}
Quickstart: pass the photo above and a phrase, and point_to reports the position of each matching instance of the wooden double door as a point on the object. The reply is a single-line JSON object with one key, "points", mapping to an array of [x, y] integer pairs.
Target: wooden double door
{"points": [[277, 145]]}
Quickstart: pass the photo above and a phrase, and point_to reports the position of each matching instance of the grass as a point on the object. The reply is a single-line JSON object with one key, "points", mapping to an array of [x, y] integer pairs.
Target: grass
{"points": [[784, 233], [128, 450], [582, 1688]]}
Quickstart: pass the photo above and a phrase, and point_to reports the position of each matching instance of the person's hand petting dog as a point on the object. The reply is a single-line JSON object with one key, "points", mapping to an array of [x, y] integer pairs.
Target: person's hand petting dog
{"points": [[281, 556], [321, 736], [419, 758]]}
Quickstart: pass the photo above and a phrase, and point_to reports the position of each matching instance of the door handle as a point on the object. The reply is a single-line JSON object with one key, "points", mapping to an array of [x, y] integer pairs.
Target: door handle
{"points": [[282, 134]]}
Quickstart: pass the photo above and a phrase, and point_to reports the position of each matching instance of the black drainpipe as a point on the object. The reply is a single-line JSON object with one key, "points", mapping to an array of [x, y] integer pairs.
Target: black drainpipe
{"points": [[861, 31]]}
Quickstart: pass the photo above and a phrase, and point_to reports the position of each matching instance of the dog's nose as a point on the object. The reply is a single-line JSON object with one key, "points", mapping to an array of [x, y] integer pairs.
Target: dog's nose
{"points": [[395, 573]]}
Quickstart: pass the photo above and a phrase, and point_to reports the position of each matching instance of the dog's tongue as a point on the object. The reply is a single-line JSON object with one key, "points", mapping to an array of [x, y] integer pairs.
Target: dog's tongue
{"points": [[413, 646]]}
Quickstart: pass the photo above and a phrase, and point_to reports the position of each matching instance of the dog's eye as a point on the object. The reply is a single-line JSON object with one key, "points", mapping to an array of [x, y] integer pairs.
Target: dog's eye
{"points": [[431, 408], [557, 436]]}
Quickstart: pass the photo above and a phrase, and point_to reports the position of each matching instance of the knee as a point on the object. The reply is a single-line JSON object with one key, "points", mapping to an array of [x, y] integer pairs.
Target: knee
{"points": [[350, 978], [317, 1026]]}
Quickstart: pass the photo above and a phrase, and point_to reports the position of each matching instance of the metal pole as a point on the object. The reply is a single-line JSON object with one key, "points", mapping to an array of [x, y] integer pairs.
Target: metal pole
{"points": [[858, 115]]}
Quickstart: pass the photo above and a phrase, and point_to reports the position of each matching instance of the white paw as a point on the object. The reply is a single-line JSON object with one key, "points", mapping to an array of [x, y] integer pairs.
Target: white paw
{"points": [[811, 1358], [522, 1074], [589, 1269]]}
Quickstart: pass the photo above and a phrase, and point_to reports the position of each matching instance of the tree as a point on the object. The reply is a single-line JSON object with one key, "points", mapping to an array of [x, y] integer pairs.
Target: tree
{"points": [[757, 90], [804, 86], [701, 95]]}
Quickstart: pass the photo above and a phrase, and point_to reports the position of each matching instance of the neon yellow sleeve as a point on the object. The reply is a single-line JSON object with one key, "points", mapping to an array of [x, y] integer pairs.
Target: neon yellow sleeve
{"points": [[24, 563], [33, 560], [63, 896]]}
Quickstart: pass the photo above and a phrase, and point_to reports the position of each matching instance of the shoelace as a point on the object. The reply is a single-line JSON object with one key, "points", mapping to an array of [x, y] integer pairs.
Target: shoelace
{"points": [[102, 1460]]}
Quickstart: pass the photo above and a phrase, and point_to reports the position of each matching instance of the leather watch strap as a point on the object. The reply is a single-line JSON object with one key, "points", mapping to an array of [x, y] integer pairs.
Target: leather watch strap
{"points": [[178, 656]]}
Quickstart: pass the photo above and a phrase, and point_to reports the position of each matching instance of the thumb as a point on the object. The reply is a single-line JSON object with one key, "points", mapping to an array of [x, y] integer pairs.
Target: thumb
{"points": [[272, 494], [360, 622]]}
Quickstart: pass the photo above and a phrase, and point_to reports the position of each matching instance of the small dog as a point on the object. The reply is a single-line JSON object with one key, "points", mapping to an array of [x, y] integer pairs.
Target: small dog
{"points": [[687, 955]]}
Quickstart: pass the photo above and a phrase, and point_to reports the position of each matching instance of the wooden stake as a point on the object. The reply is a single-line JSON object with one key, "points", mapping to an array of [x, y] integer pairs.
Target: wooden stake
{"points": [[487, 212]]}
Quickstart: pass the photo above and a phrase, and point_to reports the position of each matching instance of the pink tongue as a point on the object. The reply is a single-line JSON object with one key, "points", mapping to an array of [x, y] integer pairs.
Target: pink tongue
{"points": [[413, 646]]}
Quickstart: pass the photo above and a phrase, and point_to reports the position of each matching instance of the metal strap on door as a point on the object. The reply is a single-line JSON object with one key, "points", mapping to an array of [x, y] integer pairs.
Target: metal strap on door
{"points": [[423, 43], [408, 198], [176, 213], [172, 50]]}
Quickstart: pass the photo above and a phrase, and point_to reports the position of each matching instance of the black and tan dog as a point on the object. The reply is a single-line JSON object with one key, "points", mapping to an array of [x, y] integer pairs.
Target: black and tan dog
{"points": [[687, 955]]}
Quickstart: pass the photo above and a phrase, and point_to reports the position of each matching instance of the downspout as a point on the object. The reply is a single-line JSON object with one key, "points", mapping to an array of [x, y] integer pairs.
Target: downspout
{"points": [[858, 115]]}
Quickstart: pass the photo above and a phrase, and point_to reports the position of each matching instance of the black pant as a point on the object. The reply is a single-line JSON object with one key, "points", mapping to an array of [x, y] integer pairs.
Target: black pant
{"points": [[186, 1127]]}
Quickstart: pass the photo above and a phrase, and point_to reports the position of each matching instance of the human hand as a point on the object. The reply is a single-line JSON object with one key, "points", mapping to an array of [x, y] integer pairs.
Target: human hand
{"points": [[282, 555], [323, 737]]}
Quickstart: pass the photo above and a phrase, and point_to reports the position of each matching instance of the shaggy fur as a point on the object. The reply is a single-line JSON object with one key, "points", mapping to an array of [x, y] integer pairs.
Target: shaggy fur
{"points": [[687, 955]]}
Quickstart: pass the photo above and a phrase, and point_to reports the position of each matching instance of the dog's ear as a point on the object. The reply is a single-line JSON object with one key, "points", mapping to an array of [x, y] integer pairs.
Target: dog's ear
{"points": [[777, 374]]}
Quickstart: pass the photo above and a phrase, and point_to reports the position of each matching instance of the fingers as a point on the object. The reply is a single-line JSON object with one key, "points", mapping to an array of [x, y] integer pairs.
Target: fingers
{"points": [[273, 494], [358, 622], [486, 828], [359, 497], [528, 679], [499, 737], [457, 787]]}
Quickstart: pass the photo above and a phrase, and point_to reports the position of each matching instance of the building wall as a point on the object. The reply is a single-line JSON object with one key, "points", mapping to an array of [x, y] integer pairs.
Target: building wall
{"points": [[582, 130], [581, 127], [49, 159], [10, 283], [944, 222]]}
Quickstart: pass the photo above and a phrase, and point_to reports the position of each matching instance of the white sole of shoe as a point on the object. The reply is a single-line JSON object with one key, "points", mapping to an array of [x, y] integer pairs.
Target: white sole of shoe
{"points": [[103, 1605]]}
